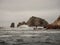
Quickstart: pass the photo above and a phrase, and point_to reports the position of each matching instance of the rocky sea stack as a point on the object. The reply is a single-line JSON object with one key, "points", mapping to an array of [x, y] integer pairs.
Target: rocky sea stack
{"points": [[21, 23], [12, 25], [36, 21], [55, 24]]}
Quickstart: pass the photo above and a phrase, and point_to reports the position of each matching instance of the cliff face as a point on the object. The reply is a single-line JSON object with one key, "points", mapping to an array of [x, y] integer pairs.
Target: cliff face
{"points": [[55, 24], [35, 21]]}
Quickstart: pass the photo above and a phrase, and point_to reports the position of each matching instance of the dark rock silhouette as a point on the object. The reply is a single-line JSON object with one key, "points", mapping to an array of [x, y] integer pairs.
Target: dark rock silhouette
{"points": [[50, 26], [54, 25], [12, 25], [36, 21], [21, 23]]}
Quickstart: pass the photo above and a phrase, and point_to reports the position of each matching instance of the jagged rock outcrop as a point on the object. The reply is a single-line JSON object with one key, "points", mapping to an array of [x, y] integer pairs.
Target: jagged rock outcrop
{"points": [[54, 25], [12, 25], [36, 21], [21, 23]]}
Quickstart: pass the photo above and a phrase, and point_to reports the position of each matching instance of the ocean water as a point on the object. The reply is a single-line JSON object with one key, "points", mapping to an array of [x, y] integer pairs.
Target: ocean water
{"points": [[17, 36]]}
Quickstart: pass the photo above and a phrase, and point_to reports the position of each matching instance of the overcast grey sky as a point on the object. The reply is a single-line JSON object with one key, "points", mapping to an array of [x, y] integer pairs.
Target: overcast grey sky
{"points": [[20, 10]]}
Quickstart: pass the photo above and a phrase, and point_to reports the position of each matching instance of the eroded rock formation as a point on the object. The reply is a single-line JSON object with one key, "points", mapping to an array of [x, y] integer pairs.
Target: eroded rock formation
{"points": [[12, 25], [36, 21], [21, 23]]}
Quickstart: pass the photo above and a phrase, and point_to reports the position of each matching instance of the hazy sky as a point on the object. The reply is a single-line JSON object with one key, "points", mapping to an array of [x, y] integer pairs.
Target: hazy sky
{"points": [[20, 10]]}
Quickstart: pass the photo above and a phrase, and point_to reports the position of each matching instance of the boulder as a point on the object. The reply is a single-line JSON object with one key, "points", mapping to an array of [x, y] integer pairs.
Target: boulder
{"points": [[21, 23], [36, 21], [12, 25]]}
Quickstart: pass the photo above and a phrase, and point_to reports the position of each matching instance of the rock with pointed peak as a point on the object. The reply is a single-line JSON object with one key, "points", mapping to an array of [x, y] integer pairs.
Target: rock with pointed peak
{"points": [[54, 25], [36, 21]]}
